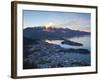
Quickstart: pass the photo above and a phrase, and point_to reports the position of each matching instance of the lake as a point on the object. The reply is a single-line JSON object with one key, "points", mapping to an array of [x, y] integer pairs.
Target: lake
{"points": [[85, 40]]}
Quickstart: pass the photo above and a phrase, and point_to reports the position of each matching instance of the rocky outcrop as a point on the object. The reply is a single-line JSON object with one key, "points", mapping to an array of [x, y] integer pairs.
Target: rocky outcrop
{"points": [[72, 43], [45, 55]]}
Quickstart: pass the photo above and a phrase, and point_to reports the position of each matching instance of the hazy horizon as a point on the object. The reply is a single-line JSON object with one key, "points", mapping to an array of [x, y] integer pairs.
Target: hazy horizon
{"points": [[75, 21]]}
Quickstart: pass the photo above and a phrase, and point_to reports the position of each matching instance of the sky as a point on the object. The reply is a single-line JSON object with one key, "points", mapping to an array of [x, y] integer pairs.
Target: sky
{"points": [[72, 20]]}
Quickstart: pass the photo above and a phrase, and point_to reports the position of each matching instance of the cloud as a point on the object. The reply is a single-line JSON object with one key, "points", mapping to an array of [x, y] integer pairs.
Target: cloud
{"points": [[75, 24]]}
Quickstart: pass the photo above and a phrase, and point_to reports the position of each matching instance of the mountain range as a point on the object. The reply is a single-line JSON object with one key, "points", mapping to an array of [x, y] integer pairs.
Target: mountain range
{"points": [[41, 32]]}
